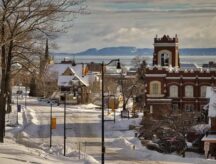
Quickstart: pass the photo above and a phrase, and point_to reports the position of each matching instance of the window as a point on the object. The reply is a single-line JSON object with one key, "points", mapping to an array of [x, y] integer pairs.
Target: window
{"points": [[189, 107], [173, 91], [189, 91], [164, 59], [155, 88], [203, 91], [175, 107]]}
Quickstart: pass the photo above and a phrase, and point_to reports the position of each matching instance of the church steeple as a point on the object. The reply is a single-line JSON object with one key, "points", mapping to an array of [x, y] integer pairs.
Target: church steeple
{"points": [[45, 59]]}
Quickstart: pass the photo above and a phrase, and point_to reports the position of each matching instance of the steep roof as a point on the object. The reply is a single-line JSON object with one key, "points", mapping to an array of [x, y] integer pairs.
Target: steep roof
{"points": [[64, 80]]}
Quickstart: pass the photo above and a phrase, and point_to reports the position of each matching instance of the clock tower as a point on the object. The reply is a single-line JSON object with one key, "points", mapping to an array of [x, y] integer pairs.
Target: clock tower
{"points": [[166, 51]]}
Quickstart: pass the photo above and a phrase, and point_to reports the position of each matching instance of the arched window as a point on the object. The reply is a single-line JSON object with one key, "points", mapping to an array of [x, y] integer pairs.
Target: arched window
{"points": [[173, 91], [189, 92], [203, 91], [155, 88], [164, 59]]}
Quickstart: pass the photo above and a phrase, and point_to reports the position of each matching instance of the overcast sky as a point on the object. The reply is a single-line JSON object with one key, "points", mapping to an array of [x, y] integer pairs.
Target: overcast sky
{"points": [[137, 22]]}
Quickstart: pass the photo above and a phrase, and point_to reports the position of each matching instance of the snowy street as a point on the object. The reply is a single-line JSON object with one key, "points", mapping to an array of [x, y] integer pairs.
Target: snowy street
{"points": [[83, 142]]}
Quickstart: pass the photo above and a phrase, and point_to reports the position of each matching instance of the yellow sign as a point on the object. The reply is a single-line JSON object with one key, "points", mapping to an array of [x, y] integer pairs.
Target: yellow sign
{"points": [[54, 123]]}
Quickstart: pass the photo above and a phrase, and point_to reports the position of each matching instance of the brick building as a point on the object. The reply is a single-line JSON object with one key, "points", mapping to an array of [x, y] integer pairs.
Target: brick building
{"points": [[172, 85]]}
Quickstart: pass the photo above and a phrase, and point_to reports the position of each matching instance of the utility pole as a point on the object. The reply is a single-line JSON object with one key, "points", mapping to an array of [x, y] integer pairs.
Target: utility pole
{"points": [[102, 124]]}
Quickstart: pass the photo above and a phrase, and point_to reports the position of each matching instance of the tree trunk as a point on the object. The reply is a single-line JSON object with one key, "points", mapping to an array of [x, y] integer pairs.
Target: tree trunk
{"points": [[8, 90], [5, 87], [2, 98], [2, 94]]}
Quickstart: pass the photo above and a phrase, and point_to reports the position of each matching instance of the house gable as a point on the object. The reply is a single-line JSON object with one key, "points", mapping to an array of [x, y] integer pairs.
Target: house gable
{"points": [[68, 72]]}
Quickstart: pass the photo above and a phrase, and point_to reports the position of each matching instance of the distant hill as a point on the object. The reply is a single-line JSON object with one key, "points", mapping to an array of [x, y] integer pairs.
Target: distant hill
{"points": [[133, 51], [116, 51]]}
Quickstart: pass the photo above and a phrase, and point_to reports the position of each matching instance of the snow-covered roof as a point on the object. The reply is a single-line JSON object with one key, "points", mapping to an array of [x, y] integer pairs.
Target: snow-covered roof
{"points": [[212, 103], [209, 138], [65, 80], [188, 65]]}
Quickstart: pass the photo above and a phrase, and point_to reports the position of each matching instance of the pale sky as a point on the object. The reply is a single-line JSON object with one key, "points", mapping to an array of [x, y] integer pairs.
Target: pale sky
{"points": [[137, 22]]}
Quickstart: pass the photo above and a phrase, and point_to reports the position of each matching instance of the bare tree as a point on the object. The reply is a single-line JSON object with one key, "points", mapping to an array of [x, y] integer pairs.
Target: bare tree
{"points": [[23, 23], [137, 61]]}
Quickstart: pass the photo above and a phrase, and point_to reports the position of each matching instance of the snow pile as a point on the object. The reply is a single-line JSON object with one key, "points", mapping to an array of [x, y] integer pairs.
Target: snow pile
{"points": [[12, 127], [122, 143], [201, 128], [135, 141], [90, 160], [57, 151], [14, 153], [123, 124], [133, 149], [90, 106]]}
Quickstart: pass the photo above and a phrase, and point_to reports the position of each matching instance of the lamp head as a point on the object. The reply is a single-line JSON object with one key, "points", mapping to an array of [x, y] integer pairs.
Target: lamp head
{"points": [[118, 66], [73, 63]]}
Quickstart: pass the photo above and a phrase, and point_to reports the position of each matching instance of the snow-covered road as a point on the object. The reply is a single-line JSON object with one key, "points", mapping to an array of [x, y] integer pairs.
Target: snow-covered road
{"points": [[83, 131]]}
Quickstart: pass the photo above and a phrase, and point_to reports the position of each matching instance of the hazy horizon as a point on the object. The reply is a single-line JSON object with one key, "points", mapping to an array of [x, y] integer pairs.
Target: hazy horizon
{"points": [[136, 23]]}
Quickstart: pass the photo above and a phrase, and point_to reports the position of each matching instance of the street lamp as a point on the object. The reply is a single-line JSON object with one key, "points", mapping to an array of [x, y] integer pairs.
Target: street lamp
{"points": [[118, 67], [102, 125], [50, 123], [25, 95], [17, 108], [64, 123]]}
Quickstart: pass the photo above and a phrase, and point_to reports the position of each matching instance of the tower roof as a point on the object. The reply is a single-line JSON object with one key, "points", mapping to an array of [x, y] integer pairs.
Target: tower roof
{"points": [[166, 39]]}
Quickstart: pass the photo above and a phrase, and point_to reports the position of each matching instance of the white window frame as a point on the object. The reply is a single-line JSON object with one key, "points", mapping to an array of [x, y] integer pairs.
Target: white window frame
{"points": [[155, 88], [173, 91], [189, 91]]}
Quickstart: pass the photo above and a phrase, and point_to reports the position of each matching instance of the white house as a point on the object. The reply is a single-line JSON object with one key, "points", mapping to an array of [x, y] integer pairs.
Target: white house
{"points": [[71, 80], [210, 138]]}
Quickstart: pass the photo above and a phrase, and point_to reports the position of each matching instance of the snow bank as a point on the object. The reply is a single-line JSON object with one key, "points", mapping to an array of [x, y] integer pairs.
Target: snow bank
{"points": [[134, 150], [90, 160], [57, 151], [201, 128], [122, 143]]}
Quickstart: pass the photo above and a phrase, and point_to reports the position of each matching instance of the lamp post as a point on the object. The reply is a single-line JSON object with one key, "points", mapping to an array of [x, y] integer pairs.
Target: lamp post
{"points": [[25, 95], [50, 124], [17, 109], [102, 124], [118, 66], [64, 123]]}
